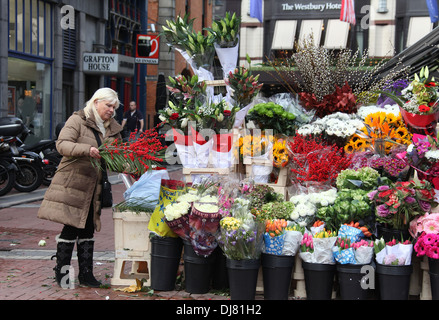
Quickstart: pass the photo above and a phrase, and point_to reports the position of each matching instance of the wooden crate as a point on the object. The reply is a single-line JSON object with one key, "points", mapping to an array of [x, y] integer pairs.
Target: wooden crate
{"points": [[131, 240], [280, 186]]}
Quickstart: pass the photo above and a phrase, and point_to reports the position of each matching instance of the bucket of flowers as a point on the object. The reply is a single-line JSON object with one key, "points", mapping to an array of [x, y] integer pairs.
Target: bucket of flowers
{"points": [[419, 101], [394, 267], [241, 238]]}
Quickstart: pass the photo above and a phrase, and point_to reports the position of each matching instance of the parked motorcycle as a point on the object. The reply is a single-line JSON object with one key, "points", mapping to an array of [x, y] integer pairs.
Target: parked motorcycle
{"points": [[7, 168], [26, 164], [46, 149]]}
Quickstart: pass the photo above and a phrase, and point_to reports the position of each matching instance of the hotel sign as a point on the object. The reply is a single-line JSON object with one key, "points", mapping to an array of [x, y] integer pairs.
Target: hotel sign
{"points": [[321, 7]]}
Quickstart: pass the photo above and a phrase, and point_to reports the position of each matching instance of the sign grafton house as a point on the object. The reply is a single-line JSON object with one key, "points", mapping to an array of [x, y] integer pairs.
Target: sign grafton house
{"points": [[311, 6], [108, 64], [147, 49]]}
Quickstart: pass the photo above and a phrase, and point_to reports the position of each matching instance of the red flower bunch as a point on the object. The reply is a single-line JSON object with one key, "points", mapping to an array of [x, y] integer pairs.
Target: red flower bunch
{"points": [[316, 161], [135, 156], [341, 100]]}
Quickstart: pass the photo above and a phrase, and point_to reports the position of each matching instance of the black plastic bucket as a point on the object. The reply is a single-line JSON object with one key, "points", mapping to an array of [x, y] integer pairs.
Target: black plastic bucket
{"points": [[220, 279], [319, 280], [434, 277], [243, 277], [394, 281], [276, 272], [165, 259], [197, 270], [389, 234], [349, 279]]}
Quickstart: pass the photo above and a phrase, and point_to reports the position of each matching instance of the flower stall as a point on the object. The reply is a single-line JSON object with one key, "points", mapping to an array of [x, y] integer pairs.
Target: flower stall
{"points": [[325, 191]]}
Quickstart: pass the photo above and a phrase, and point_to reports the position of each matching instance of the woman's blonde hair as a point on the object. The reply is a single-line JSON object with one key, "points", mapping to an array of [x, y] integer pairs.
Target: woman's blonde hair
{"points": [[102, 94]]}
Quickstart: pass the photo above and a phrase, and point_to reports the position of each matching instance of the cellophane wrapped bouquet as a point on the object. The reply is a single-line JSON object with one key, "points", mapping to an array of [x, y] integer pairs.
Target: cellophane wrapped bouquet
{"points": [[394, 252], [351, 247], [195, 217], [241, 235], [316, 246]]}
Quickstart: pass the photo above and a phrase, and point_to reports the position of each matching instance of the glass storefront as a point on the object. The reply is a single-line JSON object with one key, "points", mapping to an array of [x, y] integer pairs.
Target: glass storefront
{"points": [[30, 65], [29, 87]]}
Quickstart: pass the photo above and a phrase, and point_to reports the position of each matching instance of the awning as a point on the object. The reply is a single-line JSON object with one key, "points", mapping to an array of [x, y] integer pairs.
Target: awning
{"points": [[284, 33], [418, 28], [336, 34], [311, 27]]}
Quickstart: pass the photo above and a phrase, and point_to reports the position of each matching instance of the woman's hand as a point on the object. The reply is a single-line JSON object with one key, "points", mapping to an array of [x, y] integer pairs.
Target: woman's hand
{"points": [[94, 153]]}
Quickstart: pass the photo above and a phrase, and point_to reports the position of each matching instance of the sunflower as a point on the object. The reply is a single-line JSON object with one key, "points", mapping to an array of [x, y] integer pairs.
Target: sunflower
{"points": [[280, 154], [350, 146]]}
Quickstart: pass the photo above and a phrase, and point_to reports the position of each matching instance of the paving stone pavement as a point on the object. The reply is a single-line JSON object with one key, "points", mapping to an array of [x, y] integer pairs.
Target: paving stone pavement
{"points": [[26, 269]]}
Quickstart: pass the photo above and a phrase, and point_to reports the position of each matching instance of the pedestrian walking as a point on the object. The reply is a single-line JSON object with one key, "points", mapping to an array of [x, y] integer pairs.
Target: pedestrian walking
{"points": [[73, 197], [132, 120]]}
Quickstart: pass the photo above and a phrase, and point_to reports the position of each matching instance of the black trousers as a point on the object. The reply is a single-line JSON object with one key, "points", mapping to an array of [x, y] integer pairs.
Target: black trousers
{"points": [[73, 233]]}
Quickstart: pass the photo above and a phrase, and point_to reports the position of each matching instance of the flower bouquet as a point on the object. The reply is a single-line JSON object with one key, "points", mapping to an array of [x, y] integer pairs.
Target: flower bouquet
{"points": [[419, 101], [226, 41], [393, 252], [245, 86], [336, 128], [397, 204], [427, 244], [394, 268], [428, 223], [390, 166], [177, 218], [133, 157], [315, 161], [347, 251], [364, 178], [204, 224], [381, 133], [307, 203], [273, 116], [317, 248], [197, 49], [423, 156], [256, 146], [241, 235]]}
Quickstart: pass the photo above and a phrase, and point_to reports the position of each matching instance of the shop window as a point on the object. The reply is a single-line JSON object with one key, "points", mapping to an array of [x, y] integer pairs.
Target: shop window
{"points": [[284, 34], [337, 33], [29, 86], [30, 26], [313, 27], [419, 27]]}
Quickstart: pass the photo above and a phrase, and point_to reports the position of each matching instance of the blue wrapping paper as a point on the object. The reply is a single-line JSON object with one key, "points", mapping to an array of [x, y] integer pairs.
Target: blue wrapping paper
{"points": [[274, 245], [354, 234], [344, 256]]}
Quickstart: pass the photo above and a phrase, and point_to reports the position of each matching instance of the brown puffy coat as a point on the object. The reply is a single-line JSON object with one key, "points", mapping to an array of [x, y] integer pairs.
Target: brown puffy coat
{"points": [[75, 184]]}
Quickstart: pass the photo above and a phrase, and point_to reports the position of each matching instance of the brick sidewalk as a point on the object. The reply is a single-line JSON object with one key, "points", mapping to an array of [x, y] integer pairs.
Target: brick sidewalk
{"points": [[26, 269]]}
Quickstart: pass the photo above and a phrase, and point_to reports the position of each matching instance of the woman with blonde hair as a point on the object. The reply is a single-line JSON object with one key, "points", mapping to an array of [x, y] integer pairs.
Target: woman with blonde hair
{"points": [[73, 197]]}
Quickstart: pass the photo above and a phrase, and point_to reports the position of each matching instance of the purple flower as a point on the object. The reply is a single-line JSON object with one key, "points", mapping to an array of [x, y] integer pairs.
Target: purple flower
{"points": [[425, 206], [383, 188], [382, 210], [410, 200], [372, 194]]}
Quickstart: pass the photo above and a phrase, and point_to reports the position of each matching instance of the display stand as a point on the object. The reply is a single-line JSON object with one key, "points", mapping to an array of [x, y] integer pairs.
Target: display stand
{"points": [[425, 286], [280, 186], [131, 237]]}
